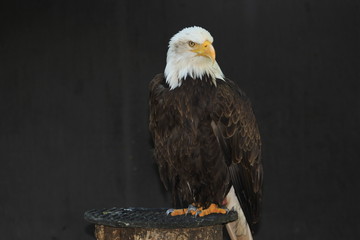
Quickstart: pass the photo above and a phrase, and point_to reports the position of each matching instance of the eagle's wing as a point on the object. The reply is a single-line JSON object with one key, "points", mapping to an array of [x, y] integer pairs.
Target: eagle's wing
{"points": [[158, 96], [236, 129]]}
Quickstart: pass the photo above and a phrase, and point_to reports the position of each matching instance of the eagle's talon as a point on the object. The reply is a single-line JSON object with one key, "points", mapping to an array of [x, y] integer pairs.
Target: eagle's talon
{"points": [[176, 212], [169, 211], [213, 208], [231, 210], [227, 210], [197, 214], [191, 209]]}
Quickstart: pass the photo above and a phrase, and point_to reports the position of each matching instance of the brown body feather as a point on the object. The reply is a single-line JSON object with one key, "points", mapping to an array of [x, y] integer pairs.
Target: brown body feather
{"points": [[205, 140]]}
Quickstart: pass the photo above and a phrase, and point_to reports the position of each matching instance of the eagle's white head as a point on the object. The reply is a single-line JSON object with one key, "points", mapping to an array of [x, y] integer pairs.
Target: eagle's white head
{"points": [[191, 53]]}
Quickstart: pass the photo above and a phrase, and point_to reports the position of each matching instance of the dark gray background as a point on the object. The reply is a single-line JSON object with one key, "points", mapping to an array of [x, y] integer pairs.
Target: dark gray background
{"points": [[73, 108]]}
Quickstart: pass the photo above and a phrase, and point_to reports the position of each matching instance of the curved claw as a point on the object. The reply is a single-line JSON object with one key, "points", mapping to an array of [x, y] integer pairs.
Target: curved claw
{"points": [[227, 210], [169, 211], [197, 213], [213, 208], [191, 208]]}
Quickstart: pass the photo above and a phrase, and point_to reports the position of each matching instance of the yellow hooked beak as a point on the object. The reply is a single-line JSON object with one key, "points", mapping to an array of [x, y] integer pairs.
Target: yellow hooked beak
{"points": [[206, 49]]}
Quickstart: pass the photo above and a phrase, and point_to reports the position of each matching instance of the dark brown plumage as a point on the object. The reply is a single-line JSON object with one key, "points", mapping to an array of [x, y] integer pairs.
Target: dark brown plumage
{"points": [[205, 140]]}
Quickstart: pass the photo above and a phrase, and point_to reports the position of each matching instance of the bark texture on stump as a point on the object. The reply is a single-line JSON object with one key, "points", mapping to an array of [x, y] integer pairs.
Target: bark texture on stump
{"points": [[103, 232]]}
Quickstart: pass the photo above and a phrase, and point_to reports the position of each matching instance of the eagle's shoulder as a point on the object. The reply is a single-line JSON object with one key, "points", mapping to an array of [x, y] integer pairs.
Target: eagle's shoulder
{"points": [[157, 81], [229, 87]]}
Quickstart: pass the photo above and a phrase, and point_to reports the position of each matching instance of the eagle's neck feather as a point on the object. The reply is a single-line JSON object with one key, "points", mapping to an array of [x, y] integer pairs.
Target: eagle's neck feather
{"points": [[179, 68]]}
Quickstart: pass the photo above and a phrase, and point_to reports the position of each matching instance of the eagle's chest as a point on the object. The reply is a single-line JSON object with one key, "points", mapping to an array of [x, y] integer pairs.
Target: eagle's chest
{"points": [[193, 101]]}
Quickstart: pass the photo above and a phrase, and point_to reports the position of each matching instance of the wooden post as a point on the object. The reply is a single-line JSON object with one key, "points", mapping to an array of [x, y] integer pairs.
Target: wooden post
{"points": [[201, 233]]}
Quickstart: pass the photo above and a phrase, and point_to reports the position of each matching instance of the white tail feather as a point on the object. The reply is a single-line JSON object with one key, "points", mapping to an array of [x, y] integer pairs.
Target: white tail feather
{"points": [[239, 229]]}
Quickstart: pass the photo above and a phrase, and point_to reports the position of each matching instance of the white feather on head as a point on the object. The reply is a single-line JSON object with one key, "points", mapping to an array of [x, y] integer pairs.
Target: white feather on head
{"points": [[182, 62]]}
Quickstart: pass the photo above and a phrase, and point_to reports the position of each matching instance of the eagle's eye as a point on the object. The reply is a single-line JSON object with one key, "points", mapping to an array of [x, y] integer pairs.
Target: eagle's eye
{"points": [[191, 43]]}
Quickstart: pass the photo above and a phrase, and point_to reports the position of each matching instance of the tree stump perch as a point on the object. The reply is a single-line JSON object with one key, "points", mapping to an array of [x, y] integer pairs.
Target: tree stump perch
{"points": [[201, 233], [154, 224]]}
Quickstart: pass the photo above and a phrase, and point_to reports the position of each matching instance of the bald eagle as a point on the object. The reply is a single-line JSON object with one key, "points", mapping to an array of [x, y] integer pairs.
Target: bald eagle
{"points": [[206, 140]]}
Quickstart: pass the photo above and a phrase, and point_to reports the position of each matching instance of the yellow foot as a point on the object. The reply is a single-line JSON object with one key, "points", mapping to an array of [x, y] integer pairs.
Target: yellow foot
{"points": [[191, 209], [176, 212], [213, 208]]}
